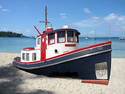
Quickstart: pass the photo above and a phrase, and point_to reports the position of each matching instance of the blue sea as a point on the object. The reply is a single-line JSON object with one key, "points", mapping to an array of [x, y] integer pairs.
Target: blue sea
{"points": [[14, 45]]}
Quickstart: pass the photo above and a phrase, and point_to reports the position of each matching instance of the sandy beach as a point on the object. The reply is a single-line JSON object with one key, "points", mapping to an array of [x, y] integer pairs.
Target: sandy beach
{"points": [[15, 81]]}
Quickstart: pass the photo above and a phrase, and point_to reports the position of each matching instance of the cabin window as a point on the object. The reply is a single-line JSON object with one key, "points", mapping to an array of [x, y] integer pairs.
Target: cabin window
{"points": [[23, 56], [27, 56], [61, 36], [51, 38], [38, 41], [76, 37], [34, 56], [70, 36]]}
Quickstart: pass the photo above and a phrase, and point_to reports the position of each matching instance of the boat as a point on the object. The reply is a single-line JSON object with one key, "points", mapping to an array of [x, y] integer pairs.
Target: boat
{"points": [[122, 38], [86, 38], [122, 34], [57, 51]]}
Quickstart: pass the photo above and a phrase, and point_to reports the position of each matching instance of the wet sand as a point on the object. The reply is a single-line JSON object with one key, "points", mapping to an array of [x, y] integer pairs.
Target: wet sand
{"points": [[15, 81]]}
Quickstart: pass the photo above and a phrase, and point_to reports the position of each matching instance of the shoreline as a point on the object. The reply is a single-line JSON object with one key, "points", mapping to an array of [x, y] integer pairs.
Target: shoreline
{"points": [[15, 81]]}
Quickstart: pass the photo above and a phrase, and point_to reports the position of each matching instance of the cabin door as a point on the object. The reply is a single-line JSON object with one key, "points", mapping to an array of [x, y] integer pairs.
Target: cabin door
{"points": [[43, 47]]}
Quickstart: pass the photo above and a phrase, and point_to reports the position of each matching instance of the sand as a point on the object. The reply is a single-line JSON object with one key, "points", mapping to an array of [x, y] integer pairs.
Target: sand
{"points": [[15, 81]]}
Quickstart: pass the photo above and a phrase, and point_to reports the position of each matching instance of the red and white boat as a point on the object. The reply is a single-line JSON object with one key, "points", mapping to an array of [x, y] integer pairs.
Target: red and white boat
{"points": [[57, 51]]}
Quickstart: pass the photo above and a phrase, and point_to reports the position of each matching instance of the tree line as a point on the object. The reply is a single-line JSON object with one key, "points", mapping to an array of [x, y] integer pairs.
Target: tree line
{"points": [[10, 34]]}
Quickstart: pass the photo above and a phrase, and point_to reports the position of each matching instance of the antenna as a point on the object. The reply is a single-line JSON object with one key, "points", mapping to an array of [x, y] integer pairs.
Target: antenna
{"points": [[46, 22], [45, 17]]}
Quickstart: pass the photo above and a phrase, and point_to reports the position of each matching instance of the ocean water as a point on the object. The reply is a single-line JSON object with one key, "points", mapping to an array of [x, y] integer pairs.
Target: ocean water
{"points": [[14, 45]]}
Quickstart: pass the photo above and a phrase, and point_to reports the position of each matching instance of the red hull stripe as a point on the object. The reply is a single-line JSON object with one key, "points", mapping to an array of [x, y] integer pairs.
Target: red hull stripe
{"points": [[105, 82], [28, 49], [106, 43], [70, 45]]}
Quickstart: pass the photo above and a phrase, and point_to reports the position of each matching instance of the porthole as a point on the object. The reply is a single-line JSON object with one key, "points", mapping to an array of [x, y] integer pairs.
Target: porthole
{"points": [[56, 51]]}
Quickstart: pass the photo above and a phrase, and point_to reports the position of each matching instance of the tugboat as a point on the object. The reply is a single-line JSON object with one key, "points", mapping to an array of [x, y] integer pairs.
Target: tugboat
{"points": [[57, 51]]}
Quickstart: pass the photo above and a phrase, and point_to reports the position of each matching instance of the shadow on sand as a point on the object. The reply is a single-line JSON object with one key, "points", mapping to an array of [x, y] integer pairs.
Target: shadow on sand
{"points": [[10, 79]]}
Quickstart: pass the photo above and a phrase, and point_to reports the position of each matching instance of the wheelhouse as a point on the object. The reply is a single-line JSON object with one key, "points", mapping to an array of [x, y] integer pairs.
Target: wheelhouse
{"points": [[61, 41]]}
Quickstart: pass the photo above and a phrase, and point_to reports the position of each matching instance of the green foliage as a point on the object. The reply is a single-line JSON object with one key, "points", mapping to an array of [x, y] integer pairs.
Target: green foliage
{"points": [[10, 34]]}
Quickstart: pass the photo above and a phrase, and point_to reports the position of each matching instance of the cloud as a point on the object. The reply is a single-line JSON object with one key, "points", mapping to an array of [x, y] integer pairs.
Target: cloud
{"points": [[63, 15], [114, 17], [113, 21], [3, 9], [93, 21], [86, 10], [92, 32], [1, 6], [111, 16]]}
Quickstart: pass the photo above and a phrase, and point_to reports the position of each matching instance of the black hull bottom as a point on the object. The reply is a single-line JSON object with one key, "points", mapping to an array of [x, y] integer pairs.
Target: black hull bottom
{"points": [[87, 68]]}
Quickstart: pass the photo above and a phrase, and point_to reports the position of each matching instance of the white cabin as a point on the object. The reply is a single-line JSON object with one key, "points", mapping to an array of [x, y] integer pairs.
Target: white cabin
{"points": [[50, 44]]}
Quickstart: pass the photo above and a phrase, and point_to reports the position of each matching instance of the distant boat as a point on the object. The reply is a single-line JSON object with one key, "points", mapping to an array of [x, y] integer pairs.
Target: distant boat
{"points": [[122, 34], [86, 38], [122, 38]]}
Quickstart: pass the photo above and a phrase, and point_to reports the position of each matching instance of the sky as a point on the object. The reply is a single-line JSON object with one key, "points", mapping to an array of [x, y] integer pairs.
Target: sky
{"points": [[105, 18]]}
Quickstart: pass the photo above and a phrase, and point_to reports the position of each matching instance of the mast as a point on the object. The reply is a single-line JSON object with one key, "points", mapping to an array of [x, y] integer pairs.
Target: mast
{"points": [[45, 18]]}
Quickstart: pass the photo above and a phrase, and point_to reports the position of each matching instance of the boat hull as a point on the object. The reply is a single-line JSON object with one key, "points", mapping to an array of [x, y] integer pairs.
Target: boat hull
{"points": [[92, 64]]}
